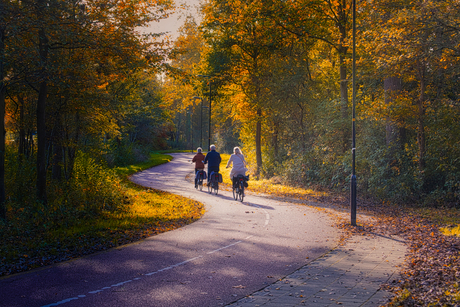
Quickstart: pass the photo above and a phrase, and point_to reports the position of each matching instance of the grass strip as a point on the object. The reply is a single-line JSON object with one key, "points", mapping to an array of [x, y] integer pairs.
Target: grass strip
{"points": [[155, 159]]}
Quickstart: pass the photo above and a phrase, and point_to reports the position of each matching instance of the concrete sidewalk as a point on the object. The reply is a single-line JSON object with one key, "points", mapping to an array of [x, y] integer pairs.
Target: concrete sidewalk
{"points": [[350, 275]]}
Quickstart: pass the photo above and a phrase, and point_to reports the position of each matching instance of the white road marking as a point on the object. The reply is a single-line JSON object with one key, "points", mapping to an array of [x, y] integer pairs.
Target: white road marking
{"points": [[267, 220], [267, 215], [219, 249], [62, 302], [138, 278]]}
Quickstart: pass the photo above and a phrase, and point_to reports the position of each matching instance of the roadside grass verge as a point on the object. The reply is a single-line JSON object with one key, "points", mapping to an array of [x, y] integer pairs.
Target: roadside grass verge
{"points": [[154, 160], [38, 235]]}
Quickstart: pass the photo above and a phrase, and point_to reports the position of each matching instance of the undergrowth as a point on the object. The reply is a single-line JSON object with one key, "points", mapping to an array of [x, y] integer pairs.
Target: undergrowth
{"points": [[96, 210]]}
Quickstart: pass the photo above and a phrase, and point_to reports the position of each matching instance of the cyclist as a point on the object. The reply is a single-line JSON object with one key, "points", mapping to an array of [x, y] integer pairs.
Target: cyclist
{"points": [[199, 165], [213, 160], [239, 164]]}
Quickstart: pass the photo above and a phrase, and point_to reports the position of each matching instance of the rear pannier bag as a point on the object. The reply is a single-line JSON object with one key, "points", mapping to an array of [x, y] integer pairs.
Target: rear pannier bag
{"points": [[202, 174], [218, 176]]}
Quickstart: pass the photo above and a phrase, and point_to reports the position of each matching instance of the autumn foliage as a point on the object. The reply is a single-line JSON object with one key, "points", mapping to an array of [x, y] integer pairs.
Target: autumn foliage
{"points": [[77, 76], [79, 83], [281, 81]]}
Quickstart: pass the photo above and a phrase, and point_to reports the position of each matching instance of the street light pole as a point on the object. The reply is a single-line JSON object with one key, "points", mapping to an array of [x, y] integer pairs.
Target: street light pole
{"points": [[190, 119], [201, 120], [353, 146], [209, 130]]}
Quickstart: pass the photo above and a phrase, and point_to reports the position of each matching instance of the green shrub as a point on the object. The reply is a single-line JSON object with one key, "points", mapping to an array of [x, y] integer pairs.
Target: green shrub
{"points": [[94, 188]]}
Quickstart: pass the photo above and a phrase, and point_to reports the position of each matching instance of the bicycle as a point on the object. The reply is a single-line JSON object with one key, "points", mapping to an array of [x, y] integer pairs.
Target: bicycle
{"points": [[238, 187], [201, 174], [213, 184]]}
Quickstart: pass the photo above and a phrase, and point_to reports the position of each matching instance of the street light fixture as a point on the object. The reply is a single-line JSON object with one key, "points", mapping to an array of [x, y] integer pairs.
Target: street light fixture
{"points": [[209, 130]]}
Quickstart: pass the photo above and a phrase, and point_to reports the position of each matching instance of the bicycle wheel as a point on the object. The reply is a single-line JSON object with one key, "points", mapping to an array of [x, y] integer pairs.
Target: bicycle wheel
{"points": [[216, 187], [241, 191], [200, 184]]}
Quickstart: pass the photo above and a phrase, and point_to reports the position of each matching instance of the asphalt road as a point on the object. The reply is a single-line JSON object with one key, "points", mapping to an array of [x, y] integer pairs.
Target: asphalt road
{"points": [[234, 250]]}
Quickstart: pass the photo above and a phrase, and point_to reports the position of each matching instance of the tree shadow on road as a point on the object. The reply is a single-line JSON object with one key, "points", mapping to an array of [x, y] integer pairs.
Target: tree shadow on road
{"points": [[258, 206]]}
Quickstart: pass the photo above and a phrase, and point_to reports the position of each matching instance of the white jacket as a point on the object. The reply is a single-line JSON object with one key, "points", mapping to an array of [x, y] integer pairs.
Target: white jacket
{"points": [[239, 165]]}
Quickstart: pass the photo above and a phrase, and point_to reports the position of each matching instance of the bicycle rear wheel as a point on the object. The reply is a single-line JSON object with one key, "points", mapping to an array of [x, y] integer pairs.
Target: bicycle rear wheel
{"points": [[241, 190]]}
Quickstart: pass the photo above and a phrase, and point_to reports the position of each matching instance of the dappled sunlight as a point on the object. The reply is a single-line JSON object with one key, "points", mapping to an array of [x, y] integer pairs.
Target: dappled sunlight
{"points": [[451, 231], [162, 205], [269, 187], [166, 296], [232, 272]]}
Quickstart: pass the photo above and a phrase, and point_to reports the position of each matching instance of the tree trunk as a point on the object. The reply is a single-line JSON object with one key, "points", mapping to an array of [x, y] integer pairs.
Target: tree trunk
{"points": [[275, 140], [259, 142], [41, 118], [2, 152], [41, 143], [346, 134], [302, 127], [22, 131], [421, 119], [178, 127], [57, 150], [343, 87], [30, 143], [2, 127], [71, 150], [392, 87]]}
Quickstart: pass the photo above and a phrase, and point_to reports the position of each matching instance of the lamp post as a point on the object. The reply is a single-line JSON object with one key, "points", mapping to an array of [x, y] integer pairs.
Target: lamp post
{"points": [[201, 120], [190, 119], [209, 130], [353, 146]]}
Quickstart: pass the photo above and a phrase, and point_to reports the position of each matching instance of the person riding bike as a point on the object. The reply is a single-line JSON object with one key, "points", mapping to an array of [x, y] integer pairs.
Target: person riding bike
{"points": [[199, 165], [213, 160], [239, 164]]}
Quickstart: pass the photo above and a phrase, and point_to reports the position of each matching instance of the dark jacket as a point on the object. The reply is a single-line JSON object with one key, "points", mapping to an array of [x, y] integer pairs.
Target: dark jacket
{"points": [[213, 159], [198, 159]]}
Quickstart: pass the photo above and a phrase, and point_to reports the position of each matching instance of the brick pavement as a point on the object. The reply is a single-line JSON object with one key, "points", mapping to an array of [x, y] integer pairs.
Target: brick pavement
{"points": [[350, 275]]}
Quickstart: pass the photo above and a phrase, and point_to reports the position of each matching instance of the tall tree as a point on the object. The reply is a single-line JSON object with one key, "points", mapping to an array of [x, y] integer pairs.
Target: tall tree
{"points": [[43, 49], [411, 41], [68, 53], [328, 22], [7, 18], [240, 28]]}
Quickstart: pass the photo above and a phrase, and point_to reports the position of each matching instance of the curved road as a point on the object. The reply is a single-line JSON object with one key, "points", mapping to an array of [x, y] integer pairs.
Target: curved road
{"points": [[234, 250]]}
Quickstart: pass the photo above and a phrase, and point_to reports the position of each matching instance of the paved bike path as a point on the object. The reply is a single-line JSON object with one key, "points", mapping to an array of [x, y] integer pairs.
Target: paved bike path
{"points": [[234, 250], [350, 275], [238, 253]]}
